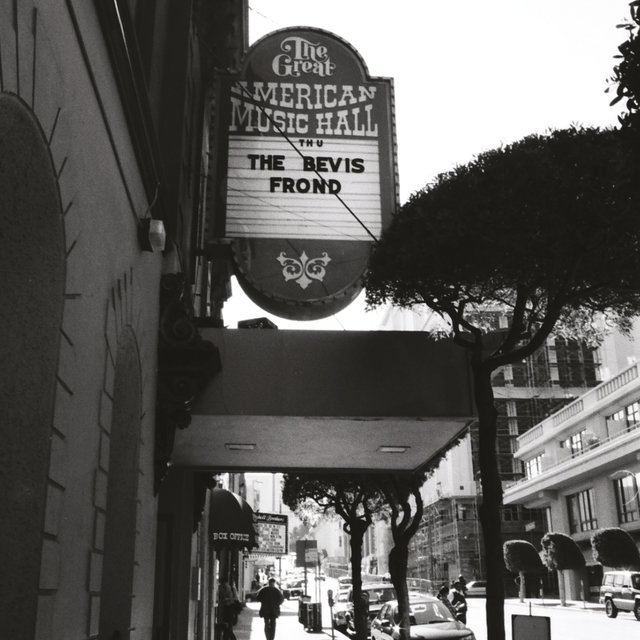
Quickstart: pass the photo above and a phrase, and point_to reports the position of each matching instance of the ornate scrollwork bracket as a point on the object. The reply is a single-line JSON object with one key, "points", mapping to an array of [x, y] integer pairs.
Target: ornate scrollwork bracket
{"points": [[186, 363]]}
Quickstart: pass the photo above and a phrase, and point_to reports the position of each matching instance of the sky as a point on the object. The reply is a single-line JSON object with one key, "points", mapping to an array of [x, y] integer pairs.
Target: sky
{"points": [[469, 76]]}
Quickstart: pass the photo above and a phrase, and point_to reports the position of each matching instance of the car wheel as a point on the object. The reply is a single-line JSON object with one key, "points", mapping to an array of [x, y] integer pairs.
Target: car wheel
{"points": [[610, 609], [636, 610]]}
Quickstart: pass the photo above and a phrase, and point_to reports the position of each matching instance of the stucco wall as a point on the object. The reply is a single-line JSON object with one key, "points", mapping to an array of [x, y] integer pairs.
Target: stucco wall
{"points": [[55, 64]]}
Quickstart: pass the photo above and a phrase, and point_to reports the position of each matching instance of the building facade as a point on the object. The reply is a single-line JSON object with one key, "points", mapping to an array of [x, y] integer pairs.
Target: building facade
{"points": [[449, 542], [582, 467], [104, 111]]}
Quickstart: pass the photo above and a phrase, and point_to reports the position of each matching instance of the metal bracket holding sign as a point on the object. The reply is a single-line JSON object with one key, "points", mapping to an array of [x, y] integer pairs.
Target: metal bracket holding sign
{"points": [[530, 627]]}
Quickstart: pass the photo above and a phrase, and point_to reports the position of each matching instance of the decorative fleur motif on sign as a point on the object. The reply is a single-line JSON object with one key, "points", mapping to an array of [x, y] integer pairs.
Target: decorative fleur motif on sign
{"points": [[303, 270]]}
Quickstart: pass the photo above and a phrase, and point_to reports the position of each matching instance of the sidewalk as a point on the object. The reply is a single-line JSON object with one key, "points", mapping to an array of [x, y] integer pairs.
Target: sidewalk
{"points": [[572, 605], [251, 627]]}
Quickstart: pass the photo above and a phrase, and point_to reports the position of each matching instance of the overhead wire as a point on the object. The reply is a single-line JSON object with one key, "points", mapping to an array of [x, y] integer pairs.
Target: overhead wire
{"points": [[293, 146]]}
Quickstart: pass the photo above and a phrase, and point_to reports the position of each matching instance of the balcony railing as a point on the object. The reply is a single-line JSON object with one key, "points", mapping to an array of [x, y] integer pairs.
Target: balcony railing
{"points": [[583, 404], [568, 412], [529, 436], [608, 387], [629, 433]]}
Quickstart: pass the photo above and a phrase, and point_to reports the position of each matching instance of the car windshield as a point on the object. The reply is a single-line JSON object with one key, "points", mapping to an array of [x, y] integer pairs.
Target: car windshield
{"points": [[426, 613], [383, 594], [635, 580]]}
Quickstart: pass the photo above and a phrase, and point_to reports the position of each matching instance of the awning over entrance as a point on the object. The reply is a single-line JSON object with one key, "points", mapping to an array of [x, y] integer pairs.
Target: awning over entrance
{"points": [[231, 521], [320, 400]]}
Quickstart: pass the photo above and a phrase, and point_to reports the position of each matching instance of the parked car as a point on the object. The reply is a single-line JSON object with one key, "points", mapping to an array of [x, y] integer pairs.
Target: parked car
{"points": [[420, 585], [430, 620], [344, 583], [620, 591], [340, 611], [476, 588], [250, 596], [293, 589], [376, 594]]}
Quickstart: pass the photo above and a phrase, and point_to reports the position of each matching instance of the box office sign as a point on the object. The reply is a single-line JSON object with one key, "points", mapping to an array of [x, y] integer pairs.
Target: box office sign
{"points": [[272, 529], [307, 175]]}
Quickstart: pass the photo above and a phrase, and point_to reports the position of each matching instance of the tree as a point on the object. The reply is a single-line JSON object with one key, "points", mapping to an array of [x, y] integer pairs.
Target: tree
{"points": [[543, 231], [626, 74], [614, 547], [521, 557], [561, 553], [402, 493], [356, 499]]}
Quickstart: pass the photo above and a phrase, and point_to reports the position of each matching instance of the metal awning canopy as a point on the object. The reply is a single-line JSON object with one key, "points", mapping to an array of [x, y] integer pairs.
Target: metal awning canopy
{"points": [[327, 400]]}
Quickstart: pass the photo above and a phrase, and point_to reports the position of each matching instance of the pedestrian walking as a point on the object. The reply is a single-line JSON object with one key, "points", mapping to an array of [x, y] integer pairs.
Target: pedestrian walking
{"points": [[459, 602], [270, 599], [229, 608]]}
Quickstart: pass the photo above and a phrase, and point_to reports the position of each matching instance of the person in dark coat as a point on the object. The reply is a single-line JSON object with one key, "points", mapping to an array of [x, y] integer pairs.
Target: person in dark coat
{"points": [[443, 594], [459, 602], [270, 599], [228, 599]]}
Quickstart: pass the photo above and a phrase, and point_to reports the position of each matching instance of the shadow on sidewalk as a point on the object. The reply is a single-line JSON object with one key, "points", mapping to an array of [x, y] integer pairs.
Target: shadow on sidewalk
{"points": [[571, 605], [251, 626]]}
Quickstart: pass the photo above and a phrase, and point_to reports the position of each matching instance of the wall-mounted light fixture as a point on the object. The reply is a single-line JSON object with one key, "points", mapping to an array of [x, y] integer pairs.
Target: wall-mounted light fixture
{"points": [[240, 446], [151, 234], [392, 448]]}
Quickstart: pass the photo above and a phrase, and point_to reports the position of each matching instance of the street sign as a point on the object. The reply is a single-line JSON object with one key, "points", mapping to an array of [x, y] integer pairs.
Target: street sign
{"points": [[306, 553], [530, 627]]}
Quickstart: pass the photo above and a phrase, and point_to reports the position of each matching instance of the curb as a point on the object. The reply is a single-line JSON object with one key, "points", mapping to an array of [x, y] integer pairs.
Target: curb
{"points": [[572, 605]]}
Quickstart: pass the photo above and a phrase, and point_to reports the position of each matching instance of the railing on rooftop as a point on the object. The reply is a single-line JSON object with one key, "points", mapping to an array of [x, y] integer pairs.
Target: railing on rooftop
{"points": [[629, 433], [530, 435], [568, 412], [585, 402], [624, 377]]}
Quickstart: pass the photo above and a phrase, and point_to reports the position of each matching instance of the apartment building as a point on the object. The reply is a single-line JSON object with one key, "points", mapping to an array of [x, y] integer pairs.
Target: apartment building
{"points": [[582, 466]]}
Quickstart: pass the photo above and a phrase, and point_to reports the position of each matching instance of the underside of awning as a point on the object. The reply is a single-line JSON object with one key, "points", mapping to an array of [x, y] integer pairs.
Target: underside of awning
{"points": [[327, 400]]}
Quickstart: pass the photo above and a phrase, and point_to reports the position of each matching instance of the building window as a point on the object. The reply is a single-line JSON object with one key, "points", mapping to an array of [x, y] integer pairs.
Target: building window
{"points": [[576, 443], [627, 418], [627, 498], [510, 513], [533, 466], [581, 511], [633, 414]]}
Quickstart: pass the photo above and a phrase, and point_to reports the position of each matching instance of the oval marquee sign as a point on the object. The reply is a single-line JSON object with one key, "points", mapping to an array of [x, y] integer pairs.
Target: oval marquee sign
{"points": [[307, 175]]}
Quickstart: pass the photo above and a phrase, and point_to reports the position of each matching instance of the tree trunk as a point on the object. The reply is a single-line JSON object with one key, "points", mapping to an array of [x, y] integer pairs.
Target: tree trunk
{"points": [[522, 586], [398, 560], [360, 610], [561, 588], [490, 515]]}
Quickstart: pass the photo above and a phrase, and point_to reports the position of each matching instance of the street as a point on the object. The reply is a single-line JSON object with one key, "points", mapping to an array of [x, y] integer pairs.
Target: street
{"points": [[567, 623], [570, 623]]}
